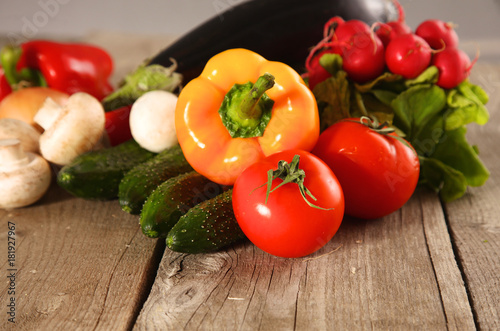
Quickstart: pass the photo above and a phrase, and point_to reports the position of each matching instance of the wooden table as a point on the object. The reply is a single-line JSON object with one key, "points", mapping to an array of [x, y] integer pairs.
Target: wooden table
{"points": [[85, 265]]}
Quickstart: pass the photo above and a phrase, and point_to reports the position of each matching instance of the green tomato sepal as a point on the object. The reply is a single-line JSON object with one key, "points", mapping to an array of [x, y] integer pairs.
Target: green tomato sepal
{"points": [[290, 173]]}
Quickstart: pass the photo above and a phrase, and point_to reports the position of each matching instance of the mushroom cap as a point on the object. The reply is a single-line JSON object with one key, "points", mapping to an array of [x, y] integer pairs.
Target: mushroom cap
{"points": [[77, 129], [17, 129], [152, 120], [25, 184]]}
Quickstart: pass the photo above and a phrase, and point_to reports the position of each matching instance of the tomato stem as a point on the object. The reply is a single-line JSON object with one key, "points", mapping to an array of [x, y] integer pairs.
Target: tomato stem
{"points": [[383, 129], [290, 173]]}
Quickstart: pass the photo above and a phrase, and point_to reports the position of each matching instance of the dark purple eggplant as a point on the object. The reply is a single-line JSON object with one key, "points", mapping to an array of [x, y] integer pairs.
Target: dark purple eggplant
{"points": [[279, 30]]}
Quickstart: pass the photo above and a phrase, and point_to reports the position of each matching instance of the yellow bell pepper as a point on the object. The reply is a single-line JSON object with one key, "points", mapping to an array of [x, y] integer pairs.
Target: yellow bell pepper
{"points": [[241, 109]]}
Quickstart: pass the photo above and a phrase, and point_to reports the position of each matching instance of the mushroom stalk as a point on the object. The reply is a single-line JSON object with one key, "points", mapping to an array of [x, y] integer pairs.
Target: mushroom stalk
{"points": [[12, 128], [48, 113], [72, 129], [12, 155]]}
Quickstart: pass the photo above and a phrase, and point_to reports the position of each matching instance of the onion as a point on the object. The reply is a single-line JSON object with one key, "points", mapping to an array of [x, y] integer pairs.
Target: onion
{"points": [[23, 104]]}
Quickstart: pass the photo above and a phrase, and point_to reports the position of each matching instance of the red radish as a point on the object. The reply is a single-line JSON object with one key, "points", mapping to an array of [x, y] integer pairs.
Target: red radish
{"points": [[363, 57], [360, 49], [408, 55], [346, 30], [454, 67], [331, 25], [438, 34], [340, 30], [315, 72], [388, 31]]}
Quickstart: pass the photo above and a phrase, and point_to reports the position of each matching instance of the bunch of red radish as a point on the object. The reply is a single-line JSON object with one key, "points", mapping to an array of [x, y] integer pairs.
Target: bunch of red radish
{"points": [[368, 51]]}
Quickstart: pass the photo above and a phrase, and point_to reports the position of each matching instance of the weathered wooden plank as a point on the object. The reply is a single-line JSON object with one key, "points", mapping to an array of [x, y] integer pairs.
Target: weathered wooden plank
{"points": [[78, 272], [387, 279], [82, 264], [373, 275], [448, 276], [79, 264], [474, 221]]}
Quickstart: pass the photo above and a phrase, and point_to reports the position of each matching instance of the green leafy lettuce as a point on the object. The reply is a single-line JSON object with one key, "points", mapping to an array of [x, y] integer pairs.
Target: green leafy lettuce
{"points": [[433, 120]]}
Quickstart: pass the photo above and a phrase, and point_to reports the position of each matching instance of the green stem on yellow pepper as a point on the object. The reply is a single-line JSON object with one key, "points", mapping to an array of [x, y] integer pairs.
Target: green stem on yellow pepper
{"points": [[246, 109], [249, 107]]}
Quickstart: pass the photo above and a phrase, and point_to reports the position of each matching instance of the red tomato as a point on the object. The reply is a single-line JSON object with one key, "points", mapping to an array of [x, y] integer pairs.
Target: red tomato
{"points": [[286, 225], [377, 172]]}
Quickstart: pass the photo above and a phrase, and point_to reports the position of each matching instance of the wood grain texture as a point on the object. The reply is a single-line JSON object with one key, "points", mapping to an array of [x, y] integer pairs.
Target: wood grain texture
{"points": [[448, 276], [474, 220], [81, 265], [399, 272], [85, 265], [373, 275]]}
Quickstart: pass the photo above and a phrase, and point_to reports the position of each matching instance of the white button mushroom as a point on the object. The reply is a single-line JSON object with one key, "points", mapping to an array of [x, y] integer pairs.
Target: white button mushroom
{"points": [[72, 129], [24, 176], [16, 129], [152, 120]]}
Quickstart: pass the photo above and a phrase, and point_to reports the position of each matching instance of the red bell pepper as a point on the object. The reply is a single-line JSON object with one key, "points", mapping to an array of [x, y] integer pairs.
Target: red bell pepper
{"points": [[5, 88], [117, 125], [66, 67]]}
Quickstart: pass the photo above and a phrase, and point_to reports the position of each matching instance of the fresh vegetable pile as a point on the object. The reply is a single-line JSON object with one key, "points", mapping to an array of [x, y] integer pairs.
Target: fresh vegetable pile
{"points": [[250, 148], [419, 87], [241, 109]]}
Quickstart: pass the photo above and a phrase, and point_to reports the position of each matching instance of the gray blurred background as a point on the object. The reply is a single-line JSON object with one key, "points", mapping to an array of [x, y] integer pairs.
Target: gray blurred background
{"points": [[478, 21]]}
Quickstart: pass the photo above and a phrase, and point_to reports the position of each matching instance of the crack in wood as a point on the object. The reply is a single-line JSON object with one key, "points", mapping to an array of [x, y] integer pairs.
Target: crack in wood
{"points": [[177, 272], [461, 268], [250, 299], [153, 264], [108, 284], [429, 251]]}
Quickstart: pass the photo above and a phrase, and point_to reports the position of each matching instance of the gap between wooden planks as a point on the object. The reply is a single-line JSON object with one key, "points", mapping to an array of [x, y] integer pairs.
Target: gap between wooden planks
{"points": [[474, 221], [382, 274], [399, 272], [81, 265], [404, 271]]}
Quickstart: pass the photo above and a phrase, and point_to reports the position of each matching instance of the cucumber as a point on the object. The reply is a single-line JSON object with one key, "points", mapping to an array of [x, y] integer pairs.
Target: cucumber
{"points": [[207, 227], [96, 175], [141, 180], [172, 199]]}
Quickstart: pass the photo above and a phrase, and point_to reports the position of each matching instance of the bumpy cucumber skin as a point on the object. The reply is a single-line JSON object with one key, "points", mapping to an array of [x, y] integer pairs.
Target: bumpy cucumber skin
{"points": [[172, 199], [96, 175], [141, 180], [207, 227]]}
